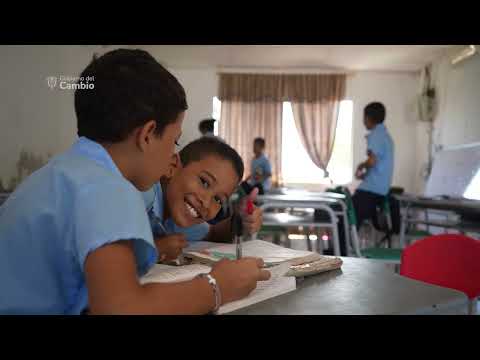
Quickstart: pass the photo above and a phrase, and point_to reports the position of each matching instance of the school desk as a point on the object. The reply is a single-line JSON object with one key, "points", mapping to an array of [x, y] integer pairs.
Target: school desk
{"points": [[311, 200], [361, 287], [459, 206]]}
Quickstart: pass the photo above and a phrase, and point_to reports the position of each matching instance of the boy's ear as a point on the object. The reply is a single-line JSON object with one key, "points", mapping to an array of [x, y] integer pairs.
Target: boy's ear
{"points": [[145, 133], [175, 165]]}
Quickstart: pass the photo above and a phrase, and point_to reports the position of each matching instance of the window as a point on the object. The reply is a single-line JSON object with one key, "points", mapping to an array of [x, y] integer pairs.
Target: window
{"points": [[472, 192], [217, 110], [298, 168]]}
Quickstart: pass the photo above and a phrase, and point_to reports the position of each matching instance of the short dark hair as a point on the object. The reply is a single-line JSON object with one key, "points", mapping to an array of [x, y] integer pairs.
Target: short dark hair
{"points": [[260, 141], [375, 111], [130, 88], [205, 146], [206, 125]]}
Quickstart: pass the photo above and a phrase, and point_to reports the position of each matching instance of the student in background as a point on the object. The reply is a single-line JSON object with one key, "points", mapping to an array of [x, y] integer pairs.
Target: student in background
{"points": [[206, 127], [376, 172], [75, 233], [202, 181], [261, 170]]}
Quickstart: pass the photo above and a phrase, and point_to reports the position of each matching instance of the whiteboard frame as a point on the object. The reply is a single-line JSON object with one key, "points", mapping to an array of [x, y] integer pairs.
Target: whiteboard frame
{"points": [[458, 147]]}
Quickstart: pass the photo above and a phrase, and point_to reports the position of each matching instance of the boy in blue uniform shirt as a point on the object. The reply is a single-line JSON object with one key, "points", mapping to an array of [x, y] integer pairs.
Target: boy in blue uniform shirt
{"points": [[377, 171], [180, 206], [261, 170], [75, 234]]}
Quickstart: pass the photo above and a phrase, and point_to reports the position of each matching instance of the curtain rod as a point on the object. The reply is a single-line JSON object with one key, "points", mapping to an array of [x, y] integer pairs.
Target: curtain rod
{"points": [[287, 71]]}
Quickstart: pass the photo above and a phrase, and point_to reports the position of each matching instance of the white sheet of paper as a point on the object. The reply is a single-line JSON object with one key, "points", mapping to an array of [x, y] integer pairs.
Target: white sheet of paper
{"points": [[270, 253], [278, 284], [168, 274]]}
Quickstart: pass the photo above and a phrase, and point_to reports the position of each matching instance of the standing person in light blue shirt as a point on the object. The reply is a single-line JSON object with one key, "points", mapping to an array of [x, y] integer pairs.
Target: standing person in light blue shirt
{"points": [[377, 171], [261, 170], [75, 234]]}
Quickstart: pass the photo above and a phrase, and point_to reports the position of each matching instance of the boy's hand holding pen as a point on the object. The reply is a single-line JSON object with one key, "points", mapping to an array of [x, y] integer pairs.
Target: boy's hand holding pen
{"points": [[247, 219], [252, 216], [170, 247]]}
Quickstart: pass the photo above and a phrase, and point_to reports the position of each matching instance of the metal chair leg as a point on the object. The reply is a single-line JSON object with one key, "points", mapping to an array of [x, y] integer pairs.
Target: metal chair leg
{"points": [[472, 306], [309, 242]]}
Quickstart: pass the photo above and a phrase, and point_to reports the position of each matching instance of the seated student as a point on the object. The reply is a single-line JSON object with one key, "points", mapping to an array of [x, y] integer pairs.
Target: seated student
{"points": [[75, 233], [376, 172], [206, 127], [206, 175], [261, 170]]}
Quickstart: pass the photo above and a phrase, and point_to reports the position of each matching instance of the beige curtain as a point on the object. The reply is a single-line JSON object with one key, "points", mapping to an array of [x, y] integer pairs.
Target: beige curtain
{"points": [[252, 107], [315, 103]]}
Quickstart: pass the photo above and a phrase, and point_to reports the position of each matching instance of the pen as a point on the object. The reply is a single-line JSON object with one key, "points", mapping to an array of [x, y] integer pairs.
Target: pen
{"points": [[237, 231], [238, 227]]}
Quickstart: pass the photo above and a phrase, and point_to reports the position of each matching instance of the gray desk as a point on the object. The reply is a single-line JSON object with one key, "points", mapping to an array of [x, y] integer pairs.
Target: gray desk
{"points": [[3, 197], [361, 287], [282, 201], [322, 201], [460, 206]]}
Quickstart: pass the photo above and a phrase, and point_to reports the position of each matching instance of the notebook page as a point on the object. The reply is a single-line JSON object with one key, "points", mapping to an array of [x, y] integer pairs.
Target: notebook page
{"points": [[169, 274], [278, 284], [270, 253]]}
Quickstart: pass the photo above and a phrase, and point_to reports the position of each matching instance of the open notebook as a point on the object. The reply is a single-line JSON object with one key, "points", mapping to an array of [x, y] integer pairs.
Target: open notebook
{"points": [[278, 284], [302, 263]]}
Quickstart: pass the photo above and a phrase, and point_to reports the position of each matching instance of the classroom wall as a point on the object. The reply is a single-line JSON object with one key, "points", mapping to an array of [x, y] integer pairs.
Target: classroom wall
{"points": [[41, 122], [34, 119], [200, 86], [458, 117], [458, 120]]}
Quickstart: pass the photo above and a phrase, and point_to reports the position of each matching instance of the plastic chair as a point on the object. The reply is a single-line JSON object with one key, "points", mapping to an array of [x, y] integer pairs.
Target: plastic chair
{"points": [[352, 218], [383, 223], [388, 255], [448, 260]]}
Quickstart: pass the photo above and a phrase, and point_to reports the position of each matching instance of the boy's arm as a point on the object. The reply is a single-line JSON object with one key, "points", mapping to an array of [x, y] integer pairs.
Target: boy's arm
{"points": [[220, 232], [367, 164], [370, 162], [252, 222], [113, 286], [267, 170]]}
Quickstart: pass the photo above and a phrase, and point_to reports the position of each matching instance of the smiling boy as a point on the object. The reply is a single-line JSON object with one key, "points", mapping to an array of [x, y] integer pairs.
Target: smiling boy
{"points": [[203, 179]]}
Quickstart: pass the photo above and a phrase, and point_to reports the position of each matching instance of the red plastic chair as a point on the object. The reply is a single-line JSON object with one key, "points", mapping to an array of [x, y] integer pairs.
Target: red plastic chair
{"points": [[447, 260]]}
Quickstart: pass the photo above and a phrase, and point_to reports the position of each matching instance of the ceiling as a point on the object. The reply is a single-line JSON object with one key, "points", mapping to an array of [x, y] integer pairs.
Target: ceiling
{"points": [[302, 57]]}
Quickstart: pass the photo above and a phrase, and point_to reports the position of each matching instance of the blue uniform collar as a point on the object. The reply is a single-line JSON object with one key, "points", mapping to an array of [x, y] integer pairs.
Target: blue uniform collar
{"points": [[95, 152], [377, 128]]}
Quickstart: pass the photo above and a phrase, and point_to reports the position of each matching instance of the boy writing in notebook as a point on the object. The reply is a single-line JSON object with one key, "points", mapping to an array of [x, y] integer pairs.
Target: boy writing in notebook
{"points": [[204, 177], [76, 234]]}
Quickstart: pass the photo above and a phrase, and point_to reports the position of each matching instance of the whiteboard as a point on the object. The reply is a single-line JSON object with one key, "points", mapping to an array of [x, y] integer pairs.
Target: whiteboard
{"points": [[453, 172]]}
